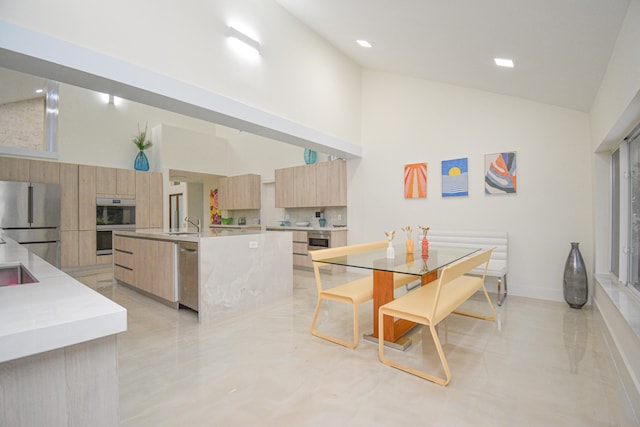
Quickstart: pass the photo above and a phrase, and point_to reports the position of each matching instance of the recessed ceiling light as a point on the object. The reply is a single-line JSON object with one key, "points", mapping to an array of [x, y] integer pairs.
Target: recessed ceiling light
{"points": [[39, 90], [502, 62], [364, 43]]}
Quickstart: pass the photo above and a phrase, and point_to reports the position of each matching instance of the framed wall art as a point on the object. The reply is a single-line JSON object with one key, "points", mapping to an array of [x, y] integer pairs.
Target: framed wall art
{"points": [[455, 179], [415, 181], [500, 173]]}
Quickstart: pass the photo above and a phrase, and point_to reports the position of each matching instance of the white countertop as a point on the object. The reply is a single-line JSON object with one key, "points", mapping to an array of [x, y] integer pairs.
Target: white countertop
{"points": [[234, 226], [56, 312], [190, 236], [297, 228]]}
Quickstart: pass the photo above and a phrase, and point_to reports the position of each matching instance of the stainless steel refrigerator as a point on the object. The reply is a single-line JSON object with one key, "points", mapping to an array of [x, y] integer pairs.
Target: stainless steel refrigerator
{"points": [[30, 215]]}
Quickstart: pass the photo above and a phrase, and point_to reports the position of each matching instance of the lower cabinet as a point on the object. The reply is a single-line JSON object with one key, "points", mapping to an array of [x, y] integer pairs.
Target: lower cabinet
{"points": [[146, 264], [301, 257]]}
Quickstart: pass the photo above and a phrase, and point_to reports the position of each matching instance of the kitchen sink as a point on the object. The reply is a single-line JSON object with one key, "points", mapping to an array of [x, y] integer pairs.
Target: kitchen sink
{"points": [[181, 233], [11, 275]]}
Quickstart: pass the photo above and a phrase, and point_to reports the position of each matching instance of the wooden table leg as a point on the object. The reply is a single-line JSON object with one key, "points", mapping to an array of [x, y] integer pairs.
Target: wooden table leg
{"points": [[383, 293]]}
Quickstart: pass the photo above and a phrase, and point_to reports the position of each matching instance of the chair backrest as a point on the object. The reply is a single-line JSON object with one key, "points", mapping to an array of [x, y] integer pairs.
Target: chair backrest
{"points": [[499, 240], [340, 251], [456, 270]]}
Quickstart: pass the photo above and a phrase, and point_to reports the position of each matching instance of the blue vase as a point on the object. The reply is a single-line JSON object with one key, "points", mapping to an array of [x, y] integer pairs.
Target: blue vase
{"points": [[310, 156], [141, 163]]}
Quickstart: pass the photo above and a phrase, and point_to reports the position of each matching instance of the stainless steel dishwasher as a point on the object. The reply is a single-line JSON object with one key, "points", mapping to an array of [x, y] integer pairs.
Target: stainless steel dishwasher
{"points": [[188, 274]]}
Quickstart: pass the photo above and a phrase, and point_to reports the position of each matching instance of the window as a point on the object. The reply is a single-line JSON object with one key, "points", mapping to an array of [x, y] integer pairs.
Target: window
{"points": [[625, 214], [28, 115]]}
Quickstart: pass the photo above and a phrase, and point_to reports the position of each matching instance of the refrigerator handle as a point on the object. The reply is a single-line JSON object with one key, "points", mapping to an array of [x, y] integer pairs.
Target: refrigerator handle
{"points": [[30, 205]]}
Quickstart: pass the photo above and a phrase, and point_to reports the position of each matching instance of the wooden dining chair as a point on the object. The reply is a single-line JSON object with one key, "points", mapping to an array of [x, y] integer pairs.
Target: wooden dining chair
{"points": [[354, 292], [431, 304]]}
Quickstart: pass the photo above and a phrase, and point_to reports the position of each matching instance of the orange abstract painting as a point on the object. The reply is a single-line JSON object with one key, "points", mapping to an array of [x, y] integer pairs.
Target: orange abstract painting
{"points": [[415, 181]]}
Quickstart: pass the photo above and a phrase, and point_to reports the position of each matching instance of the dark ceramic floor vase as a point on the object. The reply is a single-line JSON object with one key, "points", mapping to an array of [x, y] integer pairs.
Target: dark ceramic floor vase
{"points": [[575, 288]]}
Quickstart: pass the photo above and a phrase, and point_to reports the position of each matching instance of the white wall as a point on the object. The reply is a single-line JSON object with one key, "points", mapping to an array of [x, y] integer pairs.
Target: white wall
{"points": [[92, 131], [299, 75], [407, 121], [615, 111], [617, 105]]}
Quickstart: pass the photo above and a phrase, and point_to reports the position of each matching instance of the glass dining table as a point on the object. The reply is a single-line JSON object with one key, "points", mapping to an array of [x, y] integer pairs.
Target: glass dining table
{"points": [[424, 266]]}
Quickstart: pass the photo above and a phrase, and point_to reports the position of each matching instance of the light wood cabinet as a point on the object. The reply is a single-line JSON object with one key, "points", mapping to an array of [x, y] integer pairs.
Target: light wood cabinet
{"points": [[87, 199], [126, 182], [142, 199], [331, 183], [146, 264], [149, 197], [115, 182], [239, 192], [14, 169], [304, 191], [69, 248], [284, 187], [155, 200], [87, 248], [44, 172], [105, 181], [301, 256], [318, 185], [68, 197]]}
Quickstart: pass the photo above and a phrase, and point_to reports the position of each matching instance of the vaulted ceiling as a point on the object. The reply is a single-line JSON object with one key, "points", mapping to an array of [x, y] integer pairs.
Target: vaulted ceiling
{"points": [[561, 48]]}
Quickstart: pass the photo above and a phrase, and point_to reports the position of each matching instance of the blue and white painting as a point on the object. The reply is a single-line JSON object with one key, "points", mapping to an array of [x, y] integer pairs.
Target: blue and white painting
{"points": [[455, 180]]}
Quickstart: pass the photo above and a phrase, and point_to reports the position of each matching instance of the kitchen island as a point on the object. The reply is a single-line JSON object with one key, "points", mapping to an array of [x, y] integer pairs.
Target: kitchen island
{"points": [[58, 347], [237, 270]]}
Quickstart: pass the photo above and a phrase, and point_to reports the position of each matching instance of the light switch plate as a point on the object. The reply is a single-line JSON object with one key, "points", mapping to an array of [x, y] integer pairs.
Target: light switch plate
{"points": [[253, 245]]}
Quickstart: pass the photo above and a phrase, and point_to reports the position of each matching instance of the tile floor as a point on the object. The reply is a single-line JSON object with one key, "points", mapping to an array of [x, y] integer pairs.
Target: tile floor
{"points": [[539, 364]]}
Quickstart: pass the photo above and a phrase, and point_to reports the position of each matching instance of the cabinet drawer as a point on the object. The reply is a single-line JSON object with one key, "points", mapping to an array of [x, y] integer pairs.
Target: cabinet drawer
{"points": [[123, 259], [123, 243], [300, 236], [104, 259], [300, 248], [302, 260], [123, 274]]}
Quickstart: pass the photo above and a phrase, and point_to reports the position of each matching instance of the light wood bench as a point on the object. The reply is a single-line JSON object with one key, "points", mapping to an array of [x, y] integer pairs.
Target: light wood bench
{"points": [[499, 240], [354, 292], [432, 303]]}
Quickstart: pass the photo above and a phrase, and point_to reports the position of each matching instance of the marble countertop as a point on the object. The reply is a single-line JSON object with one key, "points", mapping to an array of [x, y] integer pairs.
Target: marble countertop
{"points": [[184, 235], [297, 228], [56, 312]]}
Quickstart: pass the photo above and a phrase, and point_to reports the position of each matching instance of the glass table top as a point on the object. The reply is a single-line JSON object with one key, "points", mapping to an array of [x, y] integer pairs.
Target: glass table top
{"points": [[414, 264]]}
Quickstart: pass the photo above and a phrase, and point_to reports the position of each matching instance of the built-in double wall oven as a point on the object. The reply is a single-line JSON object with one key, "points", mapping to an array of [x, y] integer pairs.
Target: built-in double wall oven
{"points": [[112, 214]]}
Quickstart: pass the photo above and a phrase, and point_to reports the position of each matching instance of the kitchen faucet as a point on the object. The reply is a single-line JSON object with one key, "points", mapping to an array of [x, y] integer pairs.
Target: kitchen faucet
{"points": [[193, 223]]}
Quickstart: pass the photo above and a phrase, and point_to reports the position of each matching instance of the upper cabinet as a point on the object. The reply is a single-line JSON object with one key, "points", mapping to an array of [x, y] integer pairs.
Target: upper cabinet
{"points": [[317, 185], [14, 169], [44, 172], [239, 192], [116, 183], [148, 199], [87, 177]]}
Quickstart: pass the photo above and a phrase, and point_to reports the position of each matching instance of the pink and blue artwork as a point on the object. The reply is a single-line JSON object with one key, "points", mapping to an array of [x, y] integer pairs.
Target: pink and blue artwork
{"points": [[455, 180]]}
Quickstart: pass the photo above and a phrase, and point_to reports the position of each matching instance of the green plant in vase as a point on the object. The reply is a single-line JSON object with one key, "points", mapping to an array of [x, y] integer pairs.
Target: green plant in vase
{"points": [[140, 140]]}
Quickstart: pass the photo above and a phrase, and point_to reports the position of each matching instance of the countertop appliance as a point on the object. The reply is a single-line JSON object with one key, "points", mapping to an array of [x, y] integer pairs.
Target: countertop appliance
{"points": [[30, 215], [188, 274]]}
